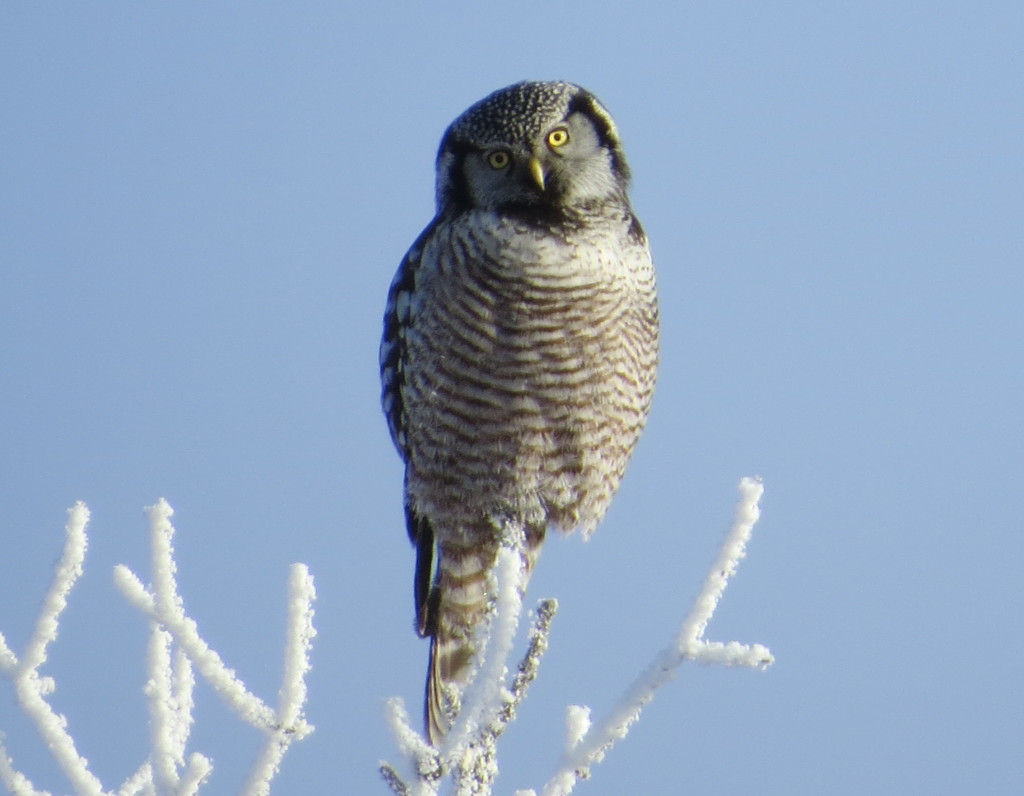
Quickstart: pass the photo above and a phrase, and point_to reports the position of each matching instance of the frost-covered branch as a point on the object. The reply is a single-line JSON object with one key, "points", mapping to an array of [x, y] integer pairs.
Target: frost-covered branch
{"points": [[32, 688], [164, 606], [468, 754], [175, 652], [689, 644], [488, 704], [291, 724]]}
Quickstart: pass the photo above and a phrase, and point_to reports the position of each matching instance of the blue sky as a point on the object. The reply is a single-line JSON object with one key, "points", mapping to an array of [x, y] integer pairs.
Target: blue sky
{"points": [[202, 207]]}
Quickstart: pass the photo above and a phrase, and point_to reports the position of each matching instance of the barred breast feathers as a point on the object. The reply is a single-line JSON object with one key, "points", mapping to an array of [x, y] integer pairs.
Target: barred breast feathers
{"points": [[569, 347]]}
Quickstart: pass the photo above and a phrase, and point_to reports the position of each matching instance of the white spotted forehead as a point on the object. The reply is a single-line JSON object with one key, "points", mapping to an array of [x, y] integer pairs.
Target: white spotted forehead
{"points": [[521, 112]]}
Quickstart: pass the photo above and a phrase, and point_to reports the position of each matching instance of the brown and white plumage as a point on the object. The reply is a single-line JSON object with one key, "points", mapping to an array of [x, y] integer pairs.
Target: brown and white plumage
{"points": [[519, 351]]}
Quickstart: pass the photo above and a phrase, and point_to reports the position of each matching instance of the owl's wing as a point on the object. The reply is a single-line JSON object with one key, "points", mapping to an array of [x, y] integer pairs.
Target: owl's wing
{"points": [[425, 597], [393, 346], [393, 365]]}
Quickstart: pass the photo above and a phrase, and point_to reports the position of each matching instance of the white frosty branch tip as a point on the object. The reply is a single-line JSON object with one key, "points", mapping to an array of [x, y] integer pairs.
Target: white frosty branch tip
{"points": [[175, 645], [69, 569], [420, 760], [482, 699], [29, 685], [729, 654], [733, 549], [301, 594], [12, 779], [577, 725], [688, 645]]}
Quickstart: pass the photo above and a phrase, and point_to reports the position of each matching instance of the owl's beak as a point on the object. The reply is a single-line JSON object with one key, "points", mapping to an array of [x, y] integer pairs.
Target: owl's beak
{"points": [[537, 171]]}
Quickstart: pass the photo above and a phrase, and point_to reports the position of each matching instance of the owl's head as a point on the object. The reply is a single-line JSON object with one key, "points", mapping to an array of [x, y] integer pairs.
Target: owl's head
{"points": [[532, 148]]}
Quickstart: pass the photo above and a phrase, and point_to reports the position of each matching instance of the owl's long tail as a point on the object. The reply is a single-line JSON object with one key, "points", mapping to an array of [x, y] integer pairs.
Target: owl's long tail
{"points": [[458, 604]]}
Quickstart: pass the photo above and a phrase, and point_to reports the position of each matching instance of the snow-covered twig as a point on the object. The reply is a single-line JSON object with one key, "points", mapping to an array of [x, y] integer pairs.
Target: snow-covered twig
{"points": [[166, 610], [31, 687], [689, 644], [468, 756], [469, 750], [16, 783], [175, 651], [290, 725], [164, 606], [528, 666], [482, 698]]}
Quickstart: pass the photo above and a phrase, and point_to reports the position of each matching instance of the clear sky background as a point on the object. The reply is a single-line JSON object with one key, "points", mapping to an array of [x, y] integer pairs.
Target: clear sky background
{"points": [[201, 208]]}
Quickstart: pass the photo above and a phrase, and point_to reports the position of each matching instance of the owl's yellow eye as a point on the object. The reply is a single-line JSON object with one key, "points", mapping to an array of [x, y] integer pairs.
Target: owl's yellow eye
{"points": [[499, 159], [558, 137]]}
